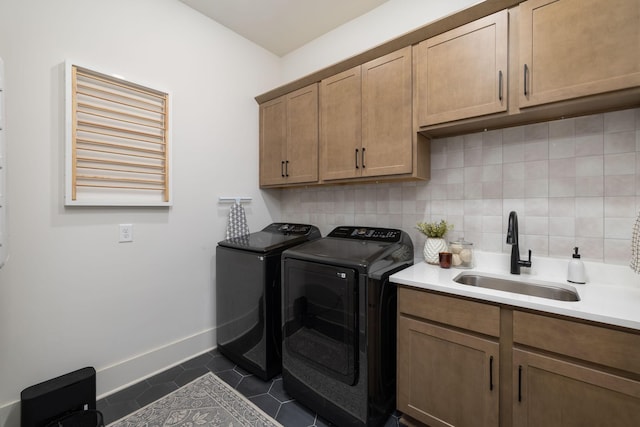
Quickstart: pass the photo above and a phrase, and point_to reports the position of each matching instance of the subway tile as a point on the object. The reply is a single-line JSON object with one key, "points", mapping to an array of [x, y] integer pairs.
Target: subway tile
{"points": [[618, 228], [536, 150], [490, 242], [619, 185], [536, 207], [589, 145], [620, 142], [492, 190], [562, 129], [619, 121], [590, 248], [620, 164], [589, 166], [492, 138], [589, 124], [512, 151], [562, 207], [492, 207], [473, 157], [513, 171], [455, 207], [492, 173], [589, 207], [562, 226], [562, 168], [472, 224], [617, 251], [538, 225], [455, 191], [455, 159], [537, 131], [589, 227], [538, 169], [590, 186], [455, 175], [473, 174], [539, 245], [492, 224], [455, 143], [562, 187], [473, 190], [562, 148], [561, 246], [492, 155], [512, 189], [620, 207], [472, 141], [536, 188], [438, 161]]}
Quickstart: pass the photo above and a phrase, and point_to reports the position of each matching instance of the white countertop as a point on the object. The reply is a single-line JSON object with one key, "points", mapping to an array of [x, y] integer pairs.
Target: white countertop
{"points": [[611, 294]]}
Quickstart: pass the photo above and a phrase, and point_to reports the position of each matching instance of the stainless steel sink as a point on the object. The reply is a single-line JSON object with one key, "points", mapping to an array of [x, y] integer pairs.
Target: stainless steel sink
{"points": [[556, 291]]}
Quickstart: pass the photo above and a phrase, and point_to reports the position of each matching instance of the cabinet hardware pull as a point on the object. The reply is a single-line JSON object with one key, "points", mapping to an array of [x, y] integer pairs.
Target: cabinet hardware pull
{"points": [[526, 72], [491, 373], [282, 168], [286, 168], [363, 166], [519, 383], [357, 167], [500, 85]]}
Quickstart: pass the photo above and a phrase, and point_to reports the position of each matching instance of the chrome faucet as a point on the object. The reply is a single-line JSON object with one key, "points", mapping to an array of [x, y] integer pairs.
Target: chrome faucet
{"points": [[512, 239]]}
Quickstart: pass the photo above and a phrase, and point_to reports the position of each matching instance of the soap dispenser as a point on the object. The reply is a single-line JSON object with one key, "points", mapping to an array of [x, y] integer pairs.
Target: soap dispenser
{"points": [[576, 273]]}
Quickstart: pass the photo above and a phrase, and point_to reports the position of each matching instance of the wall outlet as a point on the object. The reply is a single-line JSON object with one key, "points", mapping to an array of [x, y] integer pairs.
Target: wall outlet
{"points": [[126, 233]]}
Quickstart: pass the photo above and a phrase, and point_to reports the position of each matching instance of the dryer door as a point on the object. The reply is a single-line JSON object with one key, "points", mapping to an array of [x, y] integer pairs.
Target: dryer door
{"points": [[320, 317]]}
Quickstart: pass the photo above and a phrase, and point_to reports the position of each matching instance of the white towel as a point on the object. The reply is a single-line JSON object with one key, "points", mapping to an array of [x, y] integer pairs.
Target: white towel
{"points": [[237, 224], [635, 246]]}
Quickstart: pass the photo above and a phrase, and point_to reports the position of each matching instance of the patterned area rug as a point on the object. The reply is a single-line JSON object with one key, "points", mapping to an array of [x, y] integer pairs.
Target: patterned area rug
{"points": [[207, 401]]}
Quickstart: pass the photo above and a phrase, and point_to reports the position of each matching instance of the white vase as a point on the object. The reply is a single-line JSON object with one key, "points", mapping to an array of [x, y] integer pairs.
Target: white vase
{"points": [[432, 248]]}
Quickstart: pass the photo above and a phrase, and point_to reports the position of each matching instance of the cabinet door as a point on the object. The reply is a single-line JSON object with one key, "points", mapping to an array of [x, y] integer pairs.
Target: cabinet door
{"points": [[386, 115], [553, 393], [301, 161], [575, 48], [341, 125], [446, 377], [273, 141], [463, 73]]}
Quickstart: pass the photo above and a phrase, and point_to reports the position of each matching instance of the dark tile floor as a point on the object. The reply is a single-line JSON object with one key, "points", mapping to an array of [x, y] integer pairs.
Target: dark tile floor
{"points": [[268, 396]]}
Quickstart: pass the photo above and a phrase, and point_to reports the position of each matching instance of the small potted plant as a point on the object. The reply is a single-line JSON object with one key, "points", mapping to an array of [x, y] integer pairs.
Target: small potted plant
{"points": [[435, 243]]}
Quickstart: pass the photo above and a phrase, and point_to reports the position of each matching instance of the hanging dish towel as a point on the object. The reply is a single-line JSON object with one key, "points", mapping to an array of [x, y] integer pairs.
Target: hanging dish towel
{"points": [[635, 246], [237, 224]]}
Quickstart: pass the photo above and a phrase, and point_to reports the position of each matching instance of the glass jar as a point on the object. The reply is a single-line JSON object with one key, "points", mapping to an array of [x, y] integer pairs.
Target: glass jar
{"points": [[462, 253]]}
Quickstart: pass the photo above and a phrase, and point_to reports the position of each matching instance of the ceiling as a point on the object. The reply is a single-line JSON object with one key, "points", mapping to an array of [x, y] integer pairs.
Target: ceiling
{"points": [[282, 26]]}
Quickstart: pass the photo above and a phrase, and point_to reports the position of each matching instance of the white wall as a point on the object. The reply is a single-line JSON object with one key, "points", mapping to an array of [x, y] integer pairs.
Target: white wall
{"points": [[70, 294], [390, 20]]}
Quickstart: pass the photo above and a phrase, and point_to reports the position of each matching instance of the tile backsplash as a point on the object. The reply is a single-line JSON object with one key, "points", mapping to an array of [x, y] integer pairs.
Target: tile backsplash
{"points": [[573, 182]]}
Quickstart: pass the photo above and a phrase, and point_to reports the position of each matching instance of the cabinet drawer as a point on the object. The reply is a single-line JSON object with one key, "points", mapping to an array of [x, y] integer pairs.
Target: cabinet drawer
{"points": [[470, 315], [592, 343]]}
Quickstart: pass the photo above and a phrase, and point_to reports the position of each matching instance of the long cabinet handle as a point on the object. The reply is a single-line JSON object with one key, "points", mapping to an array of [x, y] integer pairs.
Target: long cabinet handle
{"points": [[286, 168], [519, 383], [500, 85], [282, 168], [357, 167], [526, 75], [491, 373], [363, 165]]}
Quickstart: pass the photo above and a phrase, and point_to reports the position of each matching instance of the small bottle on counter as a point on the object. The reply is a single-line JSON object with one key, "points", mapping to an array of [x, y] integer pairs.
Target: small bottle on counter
{"points": [[575, 272]]}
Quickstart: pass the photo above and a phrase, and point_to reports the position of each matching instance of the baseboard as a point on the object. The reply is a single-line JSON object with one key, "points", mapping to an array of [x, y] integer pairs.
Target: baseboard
{"points": [[120, 375]]}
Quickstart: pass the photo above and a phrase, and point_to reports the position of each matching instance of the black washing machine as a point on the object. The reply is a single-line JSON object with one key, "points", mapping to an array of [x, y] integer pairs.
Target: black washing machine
{"points": [[248, 295], [339, 323]]}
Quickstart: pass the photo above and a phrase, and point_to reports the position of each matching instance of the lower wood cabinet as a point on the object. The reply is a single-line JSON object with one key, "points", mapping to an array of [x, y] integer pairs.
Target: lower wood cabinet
{"points": [[552, 392], [446, 377], [463, 362]]}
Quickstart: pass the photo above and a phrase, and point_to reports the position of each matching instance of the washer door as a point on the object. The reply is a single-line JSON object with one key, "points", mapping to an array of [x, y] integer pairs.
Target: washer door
{"points": [[320, 317]]}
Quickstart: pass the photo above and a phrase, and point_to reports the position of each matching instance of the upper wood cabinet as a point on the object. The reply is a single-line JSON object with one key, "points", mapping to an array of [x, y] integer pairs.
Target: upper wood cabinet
{"points": [[574, 48], [289, 138], [463, 73], [366, 120]]}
